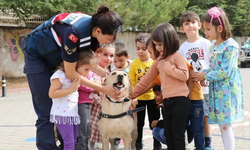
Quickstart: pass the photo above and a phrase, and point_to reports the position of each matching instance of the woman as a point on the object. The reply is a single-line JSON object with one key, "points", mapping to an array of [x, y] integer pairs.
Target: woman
{"points": [[57, 40]]}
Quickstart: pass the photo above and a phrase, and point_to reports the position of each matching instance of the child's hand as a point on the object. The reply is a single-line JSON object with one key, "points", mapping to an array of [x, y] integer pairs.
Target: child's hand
{"points": [[96, 92], [159, 106], [203, 83], [198, 77], [154, 123], [134, 102], [75, 85]]}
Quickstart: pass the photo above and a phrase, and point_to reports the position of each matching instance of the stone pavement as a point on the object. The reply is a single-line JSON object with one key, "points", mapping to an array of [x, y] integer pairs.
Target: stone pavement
{"points": [[17, 119]]}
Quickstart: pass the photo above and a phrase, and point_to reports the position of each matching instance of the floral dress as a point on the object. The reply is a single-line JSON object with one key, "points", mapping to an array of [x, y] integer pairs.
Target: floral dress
{"points": [[226, 103]]}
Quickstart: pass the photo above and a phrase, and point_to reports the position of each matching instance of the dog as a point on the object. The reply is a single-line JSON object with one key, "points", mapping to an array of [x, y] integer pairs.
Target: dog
{"points": [[111, 125]]}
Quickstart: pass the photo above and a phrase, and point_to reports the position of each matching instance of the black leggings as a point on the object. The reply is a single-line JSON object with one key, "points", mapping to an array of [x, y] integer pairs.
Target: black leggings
{"points": [[153, 114], [175, 116]]}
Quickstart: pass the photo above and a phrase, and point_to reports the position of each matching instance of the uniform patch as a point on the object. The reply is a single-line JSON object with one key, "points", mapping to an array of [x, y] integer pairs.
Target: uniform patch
{"points": [[69, 51], [73, 38]]}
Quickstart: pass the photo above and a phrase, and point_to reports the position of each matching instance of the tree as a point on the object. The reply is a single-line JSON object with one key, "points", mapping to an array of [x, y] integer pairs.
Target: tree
{"points": [[46, 8], [145, 15]]}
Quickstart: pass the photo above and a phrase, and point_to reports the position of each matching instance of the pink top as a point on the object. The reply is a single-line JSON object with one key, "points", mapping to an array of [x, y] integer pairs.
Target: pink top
{"points": [[174, 75], [86, 93]]}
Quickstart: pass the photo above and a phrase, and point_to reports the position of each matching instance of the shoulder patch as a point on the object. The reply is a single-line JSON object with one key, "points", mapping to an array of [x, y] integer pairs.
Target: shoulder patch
{"points": [[69, 51], [73, 38]]}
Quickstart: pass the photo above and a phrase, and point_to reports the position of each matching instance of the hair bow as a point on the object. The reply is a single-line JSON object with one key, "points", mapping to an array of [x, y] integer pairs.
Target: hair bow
{"points": [[214, 12]]}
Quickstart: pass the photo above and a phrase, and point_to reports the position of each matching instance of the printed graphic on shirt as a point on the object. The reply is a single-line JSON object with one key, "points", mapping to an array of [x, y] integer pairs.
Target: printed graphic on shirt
{"points": [[194, 55], [141, 73], [73, 38]]}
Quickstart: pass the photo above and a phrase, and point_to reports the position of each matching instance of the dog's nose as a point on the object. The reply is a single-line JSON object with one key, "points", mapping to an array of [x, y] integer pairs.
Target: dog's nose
{"points": [[120, 77]]}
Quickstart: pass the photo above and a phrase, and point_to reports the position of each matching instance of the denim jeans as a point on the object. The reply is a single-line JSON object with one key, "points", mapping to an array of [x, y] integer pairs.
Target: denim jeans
{"points": [[158, 134], [84, 126], [196, 115]]}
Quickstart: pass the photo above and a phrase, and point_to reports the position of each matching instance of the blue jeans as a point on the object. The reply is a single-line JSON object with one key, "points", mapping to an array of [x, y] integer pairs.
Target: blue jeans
{"points": [[84, 126], [158, 134], [196, 115]]}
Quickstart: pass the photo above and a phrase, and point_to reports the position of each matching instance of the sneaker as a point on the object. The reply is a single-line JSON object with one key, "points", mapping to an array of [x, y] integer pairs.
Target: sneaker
{"points": [[116, 143], [157, 147], [208, 148], [138, 146]]}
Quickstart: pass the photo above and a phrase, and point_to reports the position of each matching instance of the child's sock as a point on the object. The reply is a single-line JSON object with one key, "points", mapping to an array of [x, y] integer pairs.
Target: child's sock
{"points": [[208, 140], [227, 136]]}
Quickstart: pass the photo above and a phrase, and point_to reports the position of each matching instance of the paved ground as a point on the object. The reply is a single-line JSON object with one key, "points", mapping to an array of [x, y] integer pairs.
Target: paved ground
{"points": [[17, 119]]}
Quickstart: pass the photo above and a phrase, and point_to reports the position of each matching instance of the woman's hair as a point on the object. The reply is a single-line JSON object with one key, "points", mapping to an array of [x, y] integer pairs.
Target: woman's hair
{"points": [[107, 20], [165, 34], [86, 57], [226, 32]]}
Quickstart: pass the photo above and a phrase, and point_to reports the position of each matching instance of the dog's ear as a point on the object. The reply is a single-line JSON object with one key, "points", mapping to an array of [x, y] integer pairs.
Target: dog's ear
{"points": [[104, 82]]}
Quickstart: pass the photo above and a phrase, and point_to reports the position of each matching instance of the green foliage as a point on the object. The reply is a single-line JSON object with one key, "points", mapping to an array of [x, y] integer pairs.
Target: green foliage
{"points": [[137, 14], [237, 12], [46, 8], [147, 14]]}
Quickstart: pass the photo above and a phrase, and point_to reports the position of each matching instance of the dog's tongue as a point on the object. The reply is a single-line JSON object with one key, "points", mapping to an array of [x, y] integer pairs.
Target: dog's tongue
{"points": [[119, 83]]}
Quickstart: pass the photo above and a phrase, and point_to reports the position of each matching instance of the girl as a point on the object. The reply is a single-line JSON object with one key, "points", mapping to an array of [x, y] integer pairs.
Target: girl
{"points": [[171, 66], [226, 103], [64, 110], [84, 102], [105, 57]]}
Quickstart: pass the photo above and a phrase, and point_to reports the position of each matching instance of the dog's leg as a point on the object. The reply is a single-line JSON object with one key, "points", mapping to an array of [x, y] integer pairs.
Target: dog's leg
{"points": [[127, 142], [105, 143], [134, 134], [111, 141]]}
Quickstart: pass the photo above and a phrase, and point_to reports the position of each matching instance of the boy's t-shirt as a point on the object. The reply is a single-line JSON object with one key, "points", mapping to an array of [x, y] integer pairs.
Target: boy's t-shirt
{"points": [[137, 71], [197, 54]]}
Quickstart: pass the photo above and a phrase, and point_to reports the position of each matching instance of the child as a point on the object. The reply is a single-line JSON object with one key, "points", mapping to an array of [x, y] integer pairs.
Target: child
{"points": [[157, 125], [226, 103], [64, 110], [173, 70], [84, 102], [121, 59], [105, 57], [138, 69], [196, 51]]}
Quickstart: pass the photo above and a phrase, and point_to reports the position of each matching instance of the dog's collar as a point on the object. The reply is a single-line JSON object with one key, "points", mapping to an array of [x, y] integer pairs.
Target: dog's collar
{"points": [[129, 112], [124, 100]]}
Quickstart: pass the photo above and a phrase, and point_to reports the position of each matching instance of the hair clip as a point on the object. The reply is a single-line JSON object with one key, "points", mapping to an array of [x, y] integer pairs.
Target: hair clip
{"points": [[214, 12]]}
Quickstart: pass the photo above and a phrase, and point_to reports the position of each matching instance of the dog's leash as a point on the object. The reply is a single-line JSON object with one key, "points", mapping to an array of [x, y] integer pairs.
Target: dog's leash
{"points": [[129, 112]]}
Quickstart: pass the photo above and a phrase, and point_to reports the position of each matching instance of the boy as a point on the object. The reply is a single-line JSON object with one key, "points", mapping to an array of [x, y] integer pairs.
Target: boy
{"points": [[196, 51], [138, 69], [157, 125], [121, 59]]}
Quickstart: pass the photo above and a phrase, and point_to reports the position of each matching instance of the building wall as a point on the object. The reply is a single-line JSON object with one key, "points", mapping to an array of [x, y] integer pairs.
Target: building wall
{"points": [[12, 44]]}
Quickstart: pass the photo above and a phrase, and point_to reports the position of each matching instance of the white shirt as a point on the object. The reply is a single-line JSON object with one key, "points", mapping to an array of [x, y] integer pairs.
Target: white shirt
{"points": [[64, 110], [197, 54]]}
